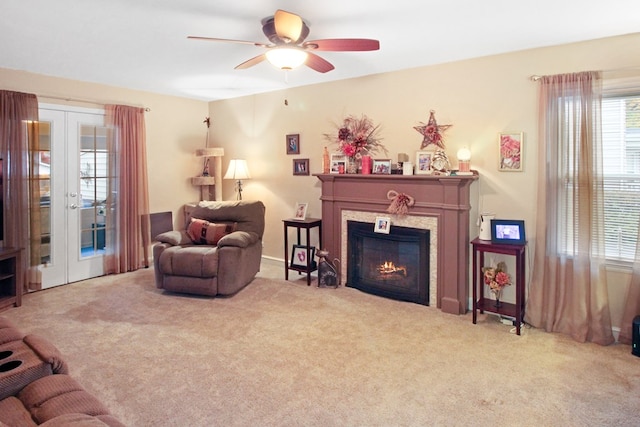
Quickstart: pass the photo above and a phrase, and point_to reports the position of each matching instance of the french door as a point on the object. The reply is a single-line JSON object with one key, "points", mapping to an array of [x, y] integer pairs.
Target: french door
{"points": [[72, 171]]}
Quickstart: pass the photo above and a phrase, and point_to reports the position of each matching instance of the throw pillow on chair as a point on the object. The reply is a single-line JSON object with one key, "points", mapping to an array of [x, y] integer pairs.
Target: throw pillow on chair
{"points": [[209, 233]]}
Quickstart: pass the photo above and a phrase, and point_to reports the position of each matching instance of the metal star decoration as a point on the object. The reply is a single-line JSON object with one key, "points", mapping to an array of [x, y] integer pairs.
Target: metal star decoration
{"points": [[432, 132]]}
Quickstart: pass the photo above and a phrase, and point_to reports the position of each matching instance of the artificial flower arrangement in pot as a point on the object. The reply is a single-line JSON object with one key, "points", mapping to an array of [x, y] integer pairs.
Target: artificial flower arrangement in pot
{"points": [[496, 278], [357, 137]]}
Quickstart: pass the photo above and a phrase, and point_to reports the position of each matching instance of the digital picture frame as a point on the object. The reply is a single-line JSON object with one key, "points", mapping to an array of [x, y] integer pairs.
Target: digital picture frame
{"points": [[508, 232]]}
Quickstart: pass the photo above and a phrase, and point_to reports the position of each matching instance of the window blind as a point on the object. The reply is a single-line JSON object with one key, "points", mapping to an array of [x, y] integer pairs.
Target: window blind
{"points": [[621, 170]]}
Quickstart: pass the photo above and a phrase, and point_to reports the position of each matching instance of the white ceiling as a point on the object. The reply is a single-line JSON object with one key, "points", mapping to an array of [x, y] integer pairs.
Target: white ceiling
{"points": [[142, 44]]}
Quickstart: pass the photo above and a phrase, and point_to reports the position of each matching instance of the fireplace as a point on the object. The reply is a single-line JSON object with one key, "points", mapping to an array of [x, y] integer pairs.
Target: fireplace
{"points": [[394, 265], [442, 205]]}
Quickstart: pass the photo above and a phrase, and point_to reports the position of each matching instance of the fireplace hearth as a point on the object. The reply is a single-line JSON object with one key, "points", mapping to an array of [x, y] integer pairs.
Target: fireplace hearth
{"points": [[394, 265]]}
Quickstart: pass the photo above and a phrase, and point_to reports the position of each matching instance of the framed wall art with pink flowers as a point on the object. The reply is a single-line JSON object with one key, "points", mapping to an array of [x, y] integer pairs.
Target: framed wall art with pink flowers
{"points": [[510, 145]]}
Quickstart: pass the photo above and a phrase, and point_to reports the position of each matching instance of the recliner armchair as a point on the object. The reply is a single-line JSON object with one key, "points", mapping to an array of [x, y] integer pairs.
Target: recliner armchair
{"points": [[219, 252]]}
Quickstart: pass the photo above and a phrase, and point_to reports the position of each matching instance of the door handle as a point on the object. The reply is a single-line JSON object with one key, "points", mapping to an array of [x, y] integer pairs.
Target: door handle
{"points": [[74, 194], [73, 206]]}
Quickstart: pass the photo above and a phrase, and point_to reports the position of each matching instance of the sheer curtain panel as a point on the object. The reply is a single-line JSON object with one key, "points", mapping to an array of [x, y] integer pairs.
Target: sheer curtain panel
{"points": [[568, 288]]}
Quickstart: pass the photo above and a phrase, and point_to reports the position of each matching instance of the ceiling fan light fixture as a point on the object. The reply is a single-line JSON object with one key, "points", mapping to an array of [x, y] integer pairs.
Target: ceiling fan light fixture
{"points": [[286, 58]]}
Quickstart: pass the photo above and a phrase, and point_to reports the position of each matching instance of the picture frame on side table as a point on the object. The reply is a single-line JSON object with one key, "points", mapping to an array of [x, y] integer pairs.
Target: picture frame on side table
{"points": [[510, 145], [293, 143], [301, 166], [299, 256], [423, 162], [381, 166], [338, 163], [301, 211]]}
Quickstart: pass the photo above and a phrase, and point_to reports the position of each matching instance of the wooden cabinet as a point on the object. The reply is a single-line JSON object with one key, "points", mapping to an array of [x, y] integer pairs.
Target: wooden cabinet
{"points": [[10, 272], [482, 304]]}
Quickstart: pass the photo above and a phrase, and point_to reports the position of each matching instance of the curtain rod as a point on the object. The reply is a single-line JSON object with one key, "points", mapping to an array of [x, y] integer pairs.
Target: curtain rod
{"points": [[535, 77], [86, 101]]}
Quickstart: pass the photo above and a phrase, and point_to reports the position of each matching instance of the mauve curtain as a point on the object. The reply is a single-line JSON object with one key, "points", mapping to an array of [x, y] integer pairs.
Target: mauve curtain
{"points": [[128, 198], [16, 109], [568, 291]]}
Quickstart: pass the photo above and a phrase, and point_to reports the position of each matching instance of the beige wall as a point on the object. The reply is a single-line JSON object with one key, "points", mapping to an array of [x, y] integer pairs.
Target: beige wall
{"points": [[174, 130], [479, 97]]}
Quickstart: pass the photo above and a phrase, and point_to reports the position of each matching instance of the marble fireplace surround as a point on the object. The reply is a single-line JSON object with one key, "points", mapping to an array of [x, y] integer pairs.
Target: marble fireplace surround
{"points": [[442, 205]]}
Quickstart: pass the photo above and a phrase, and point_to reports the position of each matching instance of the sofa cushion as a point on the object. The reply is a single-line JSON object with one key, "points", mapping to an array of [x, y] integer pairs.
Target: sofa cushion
{"points": [[47, 352], [249, 214], [59, 394], [193, 261], [203, 232], [13, 413]]}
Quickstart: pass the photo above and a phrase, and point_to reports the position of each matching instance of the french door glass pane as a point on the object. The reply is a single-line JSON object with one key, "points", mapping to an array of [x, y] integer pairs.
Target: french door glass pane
{"points": [[41, 162], [93, 189]]}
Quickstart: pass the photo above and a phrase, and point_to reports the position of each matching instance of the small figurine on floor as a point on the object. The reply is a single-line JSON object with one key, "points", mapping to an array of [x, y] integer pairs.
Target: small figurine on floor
{"points": [[328, 273]]}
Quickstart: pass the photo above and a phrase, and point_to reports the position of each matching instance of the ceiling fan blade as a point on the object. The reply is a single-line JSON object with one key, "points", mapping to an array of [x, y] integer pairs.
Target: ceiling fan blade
{"points": [[251, 62], [342, 45], [288, 26], [213, 39], [317, 63]]}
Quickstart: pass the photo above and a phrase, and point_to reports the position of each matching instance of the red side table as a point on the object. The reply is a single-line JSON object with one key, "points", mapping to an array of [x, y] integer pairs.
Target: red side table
{"points": [[482, 304]]}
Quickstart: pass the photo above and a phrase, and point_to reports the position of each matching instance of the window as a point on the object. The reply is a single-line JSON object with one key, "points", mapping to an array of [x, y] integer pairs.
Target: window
{"points": [[621, 170]]}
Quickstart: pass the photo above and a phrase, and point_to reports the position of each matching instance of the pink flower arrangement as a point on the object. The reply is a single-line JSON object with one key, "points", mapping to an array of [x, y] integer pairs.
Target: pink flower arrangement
{"points": [[357, 136], [496, 277]]}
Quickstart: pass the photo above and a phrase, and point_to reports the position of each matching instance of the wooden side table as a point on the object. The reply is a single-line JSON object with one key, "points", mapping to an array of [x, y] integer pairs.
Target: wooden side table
{"points": [[306, 224], [482, 304], [10, 278]]}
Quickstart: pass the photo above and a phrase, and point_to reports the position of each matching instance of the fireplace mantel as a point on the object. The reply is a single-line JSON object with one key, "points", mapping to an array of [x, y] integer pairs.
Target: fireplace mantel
{"points": [[446, 198]]}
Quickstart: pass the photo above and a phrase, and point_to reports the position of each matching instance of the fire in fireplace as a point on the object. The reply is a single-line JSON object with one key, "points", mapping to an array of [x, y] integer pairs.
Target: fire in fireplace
{"points": [[394, 265]]}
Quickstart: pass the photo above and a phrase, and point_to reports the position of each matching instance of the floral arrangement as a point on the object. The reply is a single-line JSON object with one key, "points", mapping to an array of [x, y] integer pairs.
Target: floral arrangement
{"points": [[357, 136], [496, 277]]}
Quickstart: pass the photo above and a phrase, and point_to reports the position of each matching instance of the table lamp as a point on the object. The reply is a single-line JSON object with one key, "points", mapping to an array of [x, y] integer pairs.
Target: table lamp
{"points": [[238, 171]]}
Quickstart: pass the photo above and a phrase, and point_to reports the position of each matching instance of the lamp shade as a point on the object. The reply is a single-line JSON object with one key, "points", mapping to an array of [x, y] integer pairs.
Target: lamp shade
{"points": [[237, 170], [286, 58], [464, 154]]}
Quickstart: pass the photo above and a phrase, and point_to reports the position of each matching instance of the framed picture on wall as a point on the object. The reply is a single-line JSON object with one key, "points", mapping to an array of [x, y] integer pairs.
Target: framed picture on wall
{"points": [[301, 166], [510, 146], [423, 162], [293, 144]]}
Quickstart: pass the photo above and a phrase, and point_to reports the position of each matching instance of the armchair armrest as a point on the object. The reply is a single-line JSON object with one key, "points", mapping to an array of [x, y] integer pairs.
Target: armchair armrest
{"points": [[175, 238], [241, 239]]}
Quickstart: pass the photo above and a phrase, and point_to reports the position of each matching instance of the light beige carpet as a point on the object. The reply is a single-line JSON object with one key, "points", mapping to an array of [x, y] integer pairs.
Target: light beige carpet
{"points": [[283, 354]]}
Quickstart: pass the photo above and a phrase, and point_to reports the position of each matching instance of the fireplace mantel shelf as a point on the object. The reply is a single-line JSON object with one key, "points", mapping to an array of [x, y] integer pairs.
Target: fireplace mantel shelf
{"points": [[357, 176], [443, 197]]}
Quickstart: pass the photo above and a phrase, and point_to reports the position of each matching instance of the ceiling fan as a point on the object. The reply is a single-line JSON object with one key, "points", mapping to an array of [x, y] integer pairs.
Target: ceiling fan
{"points": [[287, 31]]}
